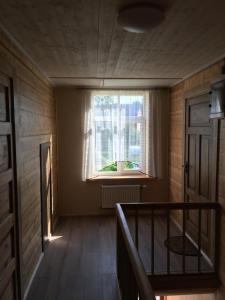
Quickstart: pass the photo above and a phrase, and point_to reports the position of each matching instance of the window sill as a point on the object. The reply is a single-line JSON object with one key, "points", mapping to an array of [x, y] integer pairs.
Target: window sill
{"points": [[107, 178]]}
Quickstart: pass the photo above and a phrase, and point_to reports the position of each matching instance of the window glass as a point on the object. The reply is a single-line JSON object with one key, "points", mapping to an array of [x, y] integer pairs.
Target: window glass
{"points": [[119, 132]]}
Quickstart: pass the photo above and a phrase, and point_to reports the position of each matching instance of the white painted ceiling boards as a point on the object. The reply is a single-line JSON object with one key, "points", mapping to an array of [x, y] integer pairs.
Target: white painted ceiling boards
{"points": [[75, 40]]}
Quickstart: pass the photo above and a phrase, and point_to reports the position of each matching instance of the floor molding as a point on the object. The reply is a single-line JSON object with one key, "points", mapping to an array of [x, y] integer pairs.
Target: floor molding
{"points": [[32, 277]]}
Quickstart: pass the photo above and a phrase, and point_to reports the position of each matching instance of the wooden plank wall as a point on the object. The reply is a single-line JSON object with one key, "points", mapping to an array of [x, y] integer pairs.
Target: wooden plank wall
{"points": [[36, 125], [176, 152]]}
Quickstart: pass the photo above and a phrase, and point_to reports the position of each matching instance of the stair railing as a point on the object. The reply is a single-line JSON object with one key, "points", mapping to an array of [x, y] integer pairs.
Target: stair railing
{"points": [[132, 279]]}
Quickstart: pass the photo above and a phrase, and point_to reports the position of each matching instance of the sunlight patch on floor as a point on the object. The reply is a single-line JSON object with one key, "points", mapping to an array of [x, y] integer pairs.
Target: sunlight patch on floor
{"points": [[54, 237]]}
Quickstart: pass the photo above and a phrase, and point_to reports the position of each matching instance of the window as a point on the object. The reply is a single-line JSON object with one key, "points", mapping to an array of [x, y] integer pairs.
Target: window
{"points": [[125, 132], [119, 132]]}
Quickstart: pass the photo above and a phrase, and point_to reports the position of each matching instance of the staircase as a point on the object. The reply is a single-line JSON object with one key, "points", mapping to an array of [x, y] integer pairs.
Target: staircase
{"points": [[167, 248]]}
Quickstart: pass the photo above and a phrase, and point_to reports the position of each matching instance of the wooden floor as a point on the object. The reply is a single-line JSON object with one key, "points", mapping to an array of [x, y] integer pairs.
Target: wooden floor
{"points": [[160, 250], [80, 265]]}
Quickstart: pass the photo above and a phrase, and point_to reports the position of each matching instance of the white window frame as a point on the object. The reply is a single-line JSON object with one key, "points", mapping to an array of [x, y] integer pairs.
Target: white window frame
{"points": [[144, 120]]}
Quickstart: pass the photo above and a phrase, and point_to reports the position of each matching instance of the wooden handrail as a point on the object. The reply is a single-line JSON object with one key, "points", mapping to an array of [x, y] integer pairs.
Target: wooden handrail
{"points": [[171, 205], [144, 288]]}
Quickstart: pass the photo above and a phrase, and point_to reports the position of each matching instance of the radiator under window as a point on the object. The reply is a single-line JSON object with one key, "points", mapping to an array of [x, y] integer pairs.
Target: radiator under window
{"points": [[112, 194]]}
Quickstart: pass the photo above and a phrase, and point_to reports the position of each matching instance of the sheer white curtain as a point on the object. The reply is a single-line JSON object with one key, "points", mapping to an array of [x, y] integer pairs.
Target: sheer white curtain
{"points": [[119, 121], [87, 132], [117, 146], [158, 132]]}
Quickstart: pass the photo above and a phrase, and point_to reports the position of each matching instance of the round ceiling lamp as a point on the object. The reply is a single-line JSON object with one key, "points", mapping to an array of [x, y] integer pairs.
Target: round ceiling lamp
{"points": [[139, 18]]}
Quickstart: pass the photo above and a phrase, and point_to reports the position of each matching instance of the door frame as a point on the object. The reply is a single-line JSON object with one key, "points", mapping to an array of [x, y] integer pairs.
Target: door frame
{"points": [[195, 92], [200, 91], [8, 71], [46, 145]]}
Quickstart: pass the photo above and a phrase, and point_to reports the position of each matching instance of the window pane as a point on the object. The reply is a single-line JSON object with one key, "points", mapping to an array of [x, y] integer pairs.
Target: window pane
{"points": [[104, 144], [131, 106], [130, 165], [119, 132], [133, 143], [105, 106]]}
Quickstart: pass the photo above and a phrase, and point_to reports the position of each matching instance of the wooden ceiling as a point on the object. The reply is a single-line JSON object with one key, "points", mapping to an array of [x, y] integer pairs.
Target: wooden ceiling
{"points": [[81, 39]]}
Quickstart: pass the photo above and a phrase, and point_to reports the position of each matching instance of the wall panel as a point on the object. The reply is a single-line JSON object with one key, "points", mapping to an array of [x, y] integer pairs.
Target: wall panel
{"points": [[36, 125], [84, 198], [177, 122]]}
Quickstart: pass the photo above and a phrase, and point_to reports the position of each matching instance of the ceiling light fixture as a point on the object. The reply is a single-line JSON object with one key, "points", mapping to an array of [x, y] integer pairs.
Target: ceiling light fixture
{"points": [[139, 18]]}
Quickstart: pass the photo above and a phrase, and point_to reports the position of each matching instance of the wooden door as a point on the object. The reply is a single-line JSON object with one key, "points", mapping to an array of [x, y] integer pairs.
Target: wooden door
{"points": [[200, 164], [46, 193], [8, 230]]}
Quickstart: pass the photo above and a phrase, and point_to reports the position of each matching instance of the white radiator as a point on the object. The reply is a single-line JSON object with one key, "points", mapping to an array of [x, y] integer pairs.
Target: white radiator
{"points": [[112, 194]]}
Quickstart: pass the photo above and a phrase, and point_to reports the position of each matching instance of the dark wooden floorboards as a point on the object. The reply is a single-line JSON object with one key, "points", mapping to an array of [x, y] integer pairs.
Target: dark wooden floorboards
{"points": [[80, 264]]}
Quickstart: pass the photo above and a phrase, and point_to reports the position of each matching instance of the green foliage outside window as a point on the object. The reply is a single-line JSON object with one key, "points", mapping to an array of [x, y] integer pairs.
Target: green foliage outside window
{"points": [[112, 167]]}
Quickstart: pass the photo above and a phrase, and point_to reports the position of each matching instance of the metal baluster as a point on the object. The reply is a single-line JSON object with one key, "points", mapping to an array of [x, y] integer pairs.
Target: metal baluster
{"points": [[217, 215], [136, 228], [119, 261], [184, 230], [168, 237], [153, 241]]}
